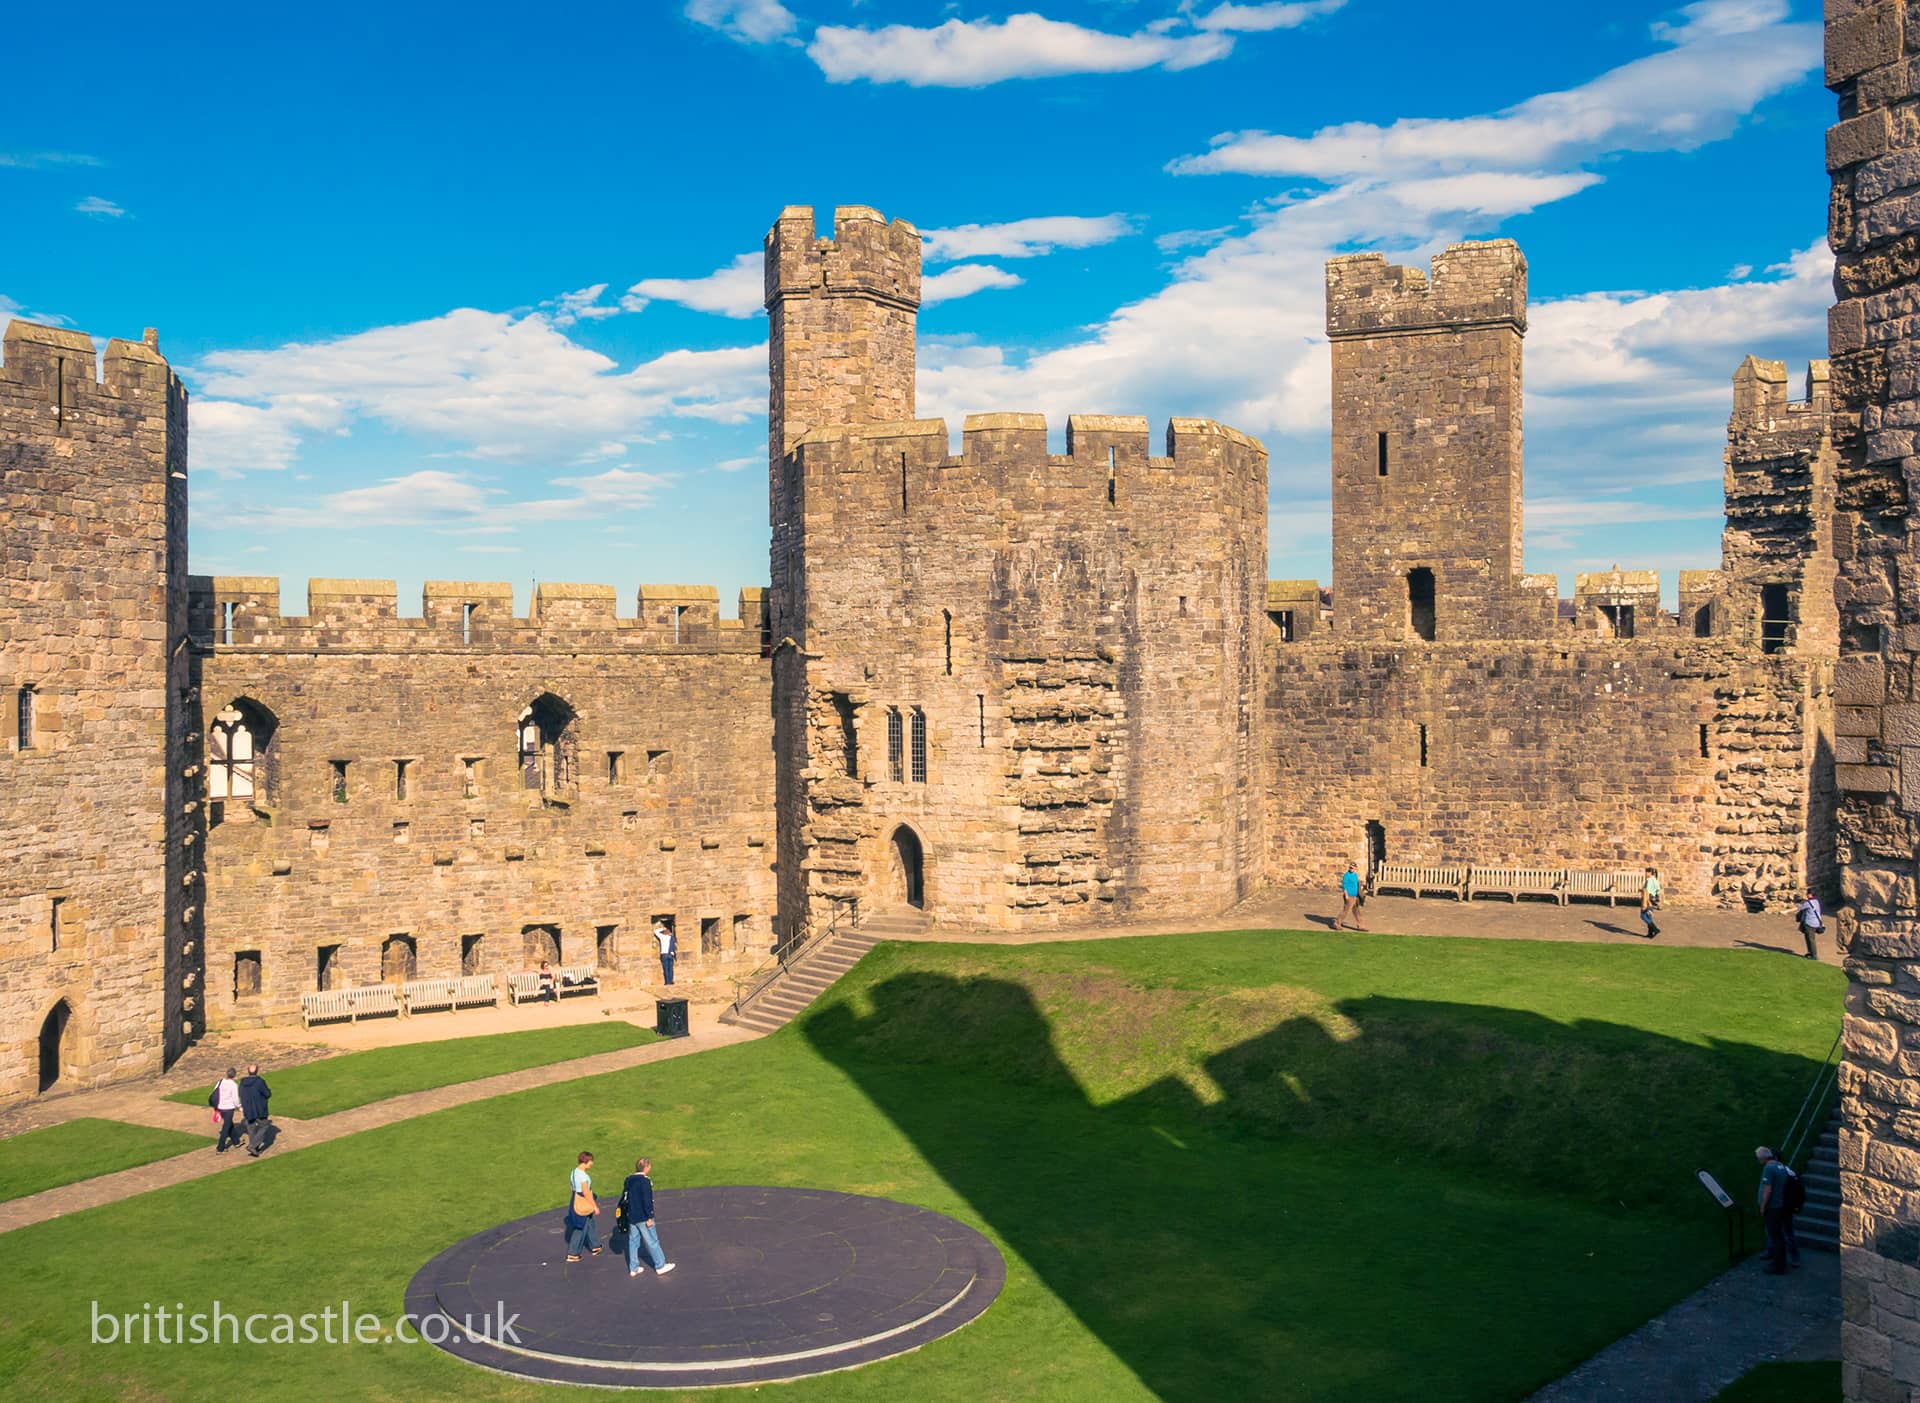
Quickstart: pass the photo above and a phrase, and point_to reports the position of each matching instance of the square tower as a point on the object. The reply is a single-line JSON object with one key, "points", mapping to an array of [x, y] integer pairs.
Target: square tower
{"points": [[1426, 446]]}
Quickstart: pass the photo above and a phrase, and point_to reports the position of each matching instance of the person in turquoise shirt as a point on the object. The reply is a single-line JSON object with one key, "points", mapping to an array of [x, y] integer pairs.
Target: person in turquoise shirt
{"points": [[1349, 900]]}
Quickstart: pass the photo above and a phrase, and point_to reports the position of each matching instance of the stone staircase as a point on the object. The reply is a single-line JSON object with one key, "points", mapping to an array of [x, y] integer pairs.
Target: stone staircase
{"points": [[809, 977], [1818, 1224]]}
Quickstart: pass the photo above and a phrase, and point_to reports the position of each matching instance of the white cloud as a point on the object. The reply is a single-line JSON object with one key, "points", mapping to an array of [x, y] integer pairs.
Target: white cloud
{"points": [[40, 160], [751, 21], [964, 281], [583, 305], [1726, 57], [105, 209], [490, 384], [975, 53], [455, 504], [1262, 19], [737, 290], [734, 465], [1025, 238]]}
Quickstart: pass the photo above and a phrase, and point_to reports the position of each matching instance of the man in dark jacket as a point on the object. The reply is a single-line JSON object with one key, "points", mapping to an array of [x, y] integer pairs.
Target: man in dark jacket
{"points": [[637, 1195], [253, 1106]]}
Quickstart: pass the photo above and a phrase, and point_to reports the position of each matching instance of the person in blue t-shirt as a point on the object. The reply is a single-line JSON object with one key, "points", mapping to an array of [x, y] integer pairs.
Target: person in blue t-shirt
{"points": [[1775, 1212], [1350, 900]]}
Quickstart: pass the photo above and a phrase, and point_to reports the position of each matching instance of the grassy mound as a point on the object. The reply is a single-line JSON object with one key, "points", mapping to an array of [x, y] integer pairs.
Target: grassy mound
{"points": [[355, 1078]]}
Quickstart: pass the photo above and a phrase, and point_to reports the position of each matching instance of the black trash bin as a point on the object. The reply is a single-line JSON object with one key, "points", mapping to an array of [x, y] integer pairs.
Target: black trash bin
{"points": [[670, 1018]]}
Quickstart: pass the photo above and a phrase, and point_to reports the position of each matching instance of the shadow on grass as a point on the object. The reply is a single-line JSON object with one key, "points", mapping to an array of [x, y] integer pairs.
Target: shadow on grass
{"points": [[1411, 1200]]}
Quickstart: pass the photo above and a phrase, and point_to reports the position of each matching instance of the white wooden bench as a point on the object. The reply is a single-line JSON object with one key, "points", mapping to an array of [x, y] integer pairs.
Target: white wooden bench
{"points": [[326, 1004], [459, 991], [1516, 882], [1611, 885], [523, 986], [1448, 877]]}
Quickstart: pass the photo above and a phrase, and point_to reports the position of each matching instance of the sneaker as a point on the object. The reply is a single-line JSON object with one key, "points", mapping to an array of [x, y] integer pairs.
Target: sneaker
{"points": [[664, 1270], [633, 1271]]}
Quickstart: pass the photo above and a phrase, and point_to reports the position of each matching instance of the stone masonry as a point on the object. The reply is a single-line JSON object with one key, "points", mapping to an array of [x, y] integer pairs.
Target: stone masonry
{"points": [[1873, 152]]}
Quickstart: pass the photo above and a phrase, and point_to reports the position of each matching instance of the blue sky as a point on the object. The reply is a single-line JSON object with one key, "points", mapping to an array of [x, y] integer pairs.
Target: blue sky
{"points": [[460, 295]]}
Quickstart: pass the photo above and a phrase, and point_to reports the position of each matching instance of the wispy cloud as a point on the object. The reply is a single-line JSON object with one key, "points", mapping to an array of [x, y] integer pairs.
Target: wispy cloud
{"points": [[751, 21], [1726, 56], [41, 160], [736, 290], [964, 281], [1025, 238], [104, 209], [1261, 19], [976, 53], [491, 384], [583, 305], [457, 504]]}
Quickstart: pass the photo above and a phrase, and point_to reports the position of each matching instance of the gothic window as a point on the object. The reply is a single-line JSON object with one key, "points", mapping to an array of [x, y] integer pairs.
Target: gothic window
{"points": [[917, 738], [547, 745], [239, 748], [896, 747], [24, 706]]}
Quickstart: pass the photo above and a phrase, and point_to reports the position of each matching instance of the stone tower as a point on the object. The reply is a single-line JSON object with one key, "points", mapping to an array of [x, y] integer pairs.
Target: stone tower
{"points": [[1011, 687], [97, 971], [1426, 447]]}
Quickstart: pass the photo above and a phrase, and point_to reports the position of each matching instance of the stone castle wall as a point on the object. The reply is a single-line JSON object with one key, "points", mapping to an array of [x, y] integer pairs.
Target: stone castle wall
{"points": [[1873, 153], [1077, 632], [664, 806], [93, 539]]}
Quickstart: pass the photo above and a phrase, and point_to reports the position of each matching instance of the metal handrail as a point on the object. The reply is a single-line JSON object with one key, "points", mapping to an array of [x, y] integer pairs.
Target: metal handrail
{"points": [[786, 956], [1810, 1105]]}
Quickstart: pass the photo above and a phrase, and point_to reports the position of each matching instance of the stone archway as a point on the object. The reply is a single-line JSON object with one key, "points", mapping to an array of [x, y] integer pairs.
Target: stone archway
{"points": [[53, 1043], [906, 869]]}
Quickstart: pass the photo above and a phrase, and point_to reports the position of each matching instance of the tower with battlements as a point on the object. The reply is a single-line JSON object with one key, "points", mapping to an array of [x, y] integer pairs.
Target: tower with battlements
{"points": [[100, 892], [1012, 687]]}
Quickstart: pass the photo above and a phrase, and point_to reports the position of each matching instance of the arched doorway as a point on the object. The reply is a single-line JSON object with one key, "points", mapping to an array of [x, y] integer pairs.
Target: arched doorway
{"points": [[908, 874], [53, 1038]]}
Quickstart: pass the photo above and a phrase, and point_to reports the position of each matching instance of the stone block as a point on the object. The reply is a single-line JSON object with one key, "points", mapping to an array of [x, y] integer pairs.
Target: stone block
{"points": [[1863, 41]]}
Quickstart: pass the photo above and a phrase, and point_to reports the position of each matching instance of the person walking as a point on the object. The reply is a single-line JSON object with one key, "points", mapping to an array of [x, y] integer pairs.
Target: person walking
{"points": [[1776, 1211], [669, 947], [582, 1209], [225, 1101], [637, 1194], [254, 1094], [1650, 902], [1807, 917], [1349, 900]]}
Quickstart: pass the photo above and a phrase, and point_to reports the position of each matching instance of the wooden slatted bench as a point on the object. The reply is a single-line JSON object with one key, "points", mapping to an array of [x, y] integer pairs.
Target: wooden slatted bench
{"points": [[577, 979], [523, 985], [1413, 878], [325, 1005], [1611, 885], [458, 991], [1516, 882]]}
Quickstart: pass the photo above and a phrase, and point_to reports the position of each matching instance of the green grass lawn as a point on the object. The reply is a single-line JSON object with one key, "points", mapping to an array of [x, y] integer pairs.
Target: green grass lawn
{"points": [[80, 1149], [355, 1078], [1787, 1383], [1291, 1167]]}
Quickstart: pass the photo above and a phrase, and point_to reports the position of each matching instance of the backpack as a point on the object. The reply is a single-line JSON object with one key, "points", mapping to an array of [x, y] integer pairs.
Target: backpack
{"points": [[620, 1211], [1795, 1193]]}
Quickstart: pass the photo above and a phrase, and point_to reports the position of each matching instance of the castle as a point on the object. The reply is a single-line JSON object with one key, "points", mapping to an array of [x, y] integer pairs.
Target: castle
{"points": [[1010, 687]]}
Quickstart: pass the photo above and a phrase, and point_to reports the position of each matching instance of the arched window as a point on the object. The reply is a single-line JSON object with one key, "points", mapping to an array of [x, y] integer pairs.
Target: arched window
{"points": [[239, 752], [547, 745], [917, 745], [896, 747]]}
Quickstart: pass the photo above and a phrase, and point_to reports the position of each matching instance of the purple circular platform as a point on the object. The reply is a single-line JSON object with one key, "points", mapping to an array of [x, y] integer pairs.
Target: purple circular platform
{"points": [[768, 1284]]}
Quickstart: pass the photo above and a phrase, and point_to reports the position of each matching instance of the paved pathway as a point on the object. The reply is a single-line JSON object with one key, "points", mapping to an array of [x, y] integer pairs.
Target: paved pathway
{"points": [[298, 1135], [1695, 1350]]}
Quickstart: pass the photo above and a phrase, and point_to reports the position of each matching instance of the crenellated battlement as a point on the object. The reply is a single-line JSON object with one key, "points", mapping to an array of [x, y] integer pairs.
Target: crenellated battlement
{"points": [[1481, 284], [868, 256], [244, 611], [59, 366], [1760, 397]]}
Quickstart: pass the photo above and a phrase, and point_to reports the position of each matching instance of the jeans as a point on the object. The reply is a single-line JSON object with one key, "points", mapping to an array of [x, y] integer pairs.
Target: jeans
{"points": [[586, 1236], [229, 1129], [1646, 917], [666, 968], [637, 1231], [1779, 1226]]}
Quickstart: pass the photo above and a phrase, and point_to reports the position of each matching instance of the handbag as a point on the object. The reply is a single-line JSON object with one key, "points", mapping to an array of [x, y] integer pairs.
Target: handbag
{"points": [[583, 1205]]}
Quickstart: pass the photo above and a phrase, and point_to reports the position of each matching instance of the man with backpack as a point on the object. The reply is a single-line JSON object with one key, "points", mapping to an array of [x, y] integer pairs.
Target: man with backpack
{"points": [[1782, 1194]]}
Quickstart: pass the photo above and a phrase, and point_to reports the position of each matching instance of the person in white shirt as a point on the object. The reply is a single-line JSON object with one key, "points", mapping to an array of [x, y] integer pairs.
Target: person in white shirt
{"points": [[669, 947], [226, 1102]]}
